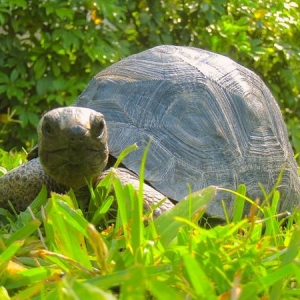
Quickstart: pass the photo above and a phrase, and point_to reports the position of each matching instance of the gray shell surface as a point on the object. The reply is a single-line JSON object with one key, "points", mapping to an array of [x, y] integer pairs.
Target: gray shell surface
{"points": [[210, 120]]}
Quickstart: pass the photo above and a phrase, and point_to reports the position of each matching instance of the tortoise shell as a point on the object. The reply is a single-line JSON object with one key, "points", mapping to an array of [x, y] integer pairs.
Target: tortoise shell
{"points": [[210, 122]]}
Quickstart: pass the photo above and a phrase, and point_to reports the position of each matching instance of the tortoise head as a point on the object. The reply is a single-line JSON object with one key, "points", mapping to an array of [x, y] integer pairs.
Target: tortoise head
{"points": [[72, 145]]}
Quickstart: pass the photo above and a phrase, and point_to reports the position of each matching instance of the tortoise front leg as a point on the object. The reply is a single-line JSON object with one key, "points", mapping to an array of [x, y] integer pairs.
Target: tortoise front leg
{"points": [[21, 185]]}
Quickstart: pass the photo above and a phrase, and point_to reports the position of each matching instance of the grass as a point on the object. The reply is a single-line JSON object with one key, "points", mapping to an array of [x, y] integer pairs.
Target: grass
{"points": [[55, 251]]}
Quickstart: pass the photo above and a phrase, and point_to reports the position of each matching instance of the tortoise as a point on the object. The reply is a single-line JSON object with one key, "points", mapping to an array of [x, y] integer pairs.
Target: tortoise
{"points": [[210, 120]]}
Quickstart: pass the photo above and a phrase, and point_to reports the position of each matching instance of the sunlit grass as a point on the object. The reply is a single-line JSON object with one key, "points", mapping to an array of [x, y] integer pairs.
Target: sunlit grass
{"points": [[54, 250]]}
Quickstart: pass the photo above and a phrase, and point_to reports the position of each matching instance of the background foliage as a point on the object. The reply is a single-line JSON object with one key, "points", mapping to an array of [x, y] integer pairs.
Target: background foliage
{"points": [[50, 49]]}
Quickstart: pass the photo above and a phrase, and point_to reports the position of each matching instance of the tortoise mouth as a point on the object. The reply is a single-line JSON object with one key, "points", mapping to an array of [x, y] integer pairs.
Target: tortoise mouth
{"points": [[70, 156], [73, 168], [73, 156]]}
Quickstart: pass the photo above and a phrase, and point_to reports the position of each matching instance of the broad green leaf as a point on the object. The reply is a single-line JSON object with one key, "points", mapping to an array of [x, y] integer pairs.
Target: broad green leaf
{"points": [[40, 67], [4, 78], [63, 12], [14, 75]]}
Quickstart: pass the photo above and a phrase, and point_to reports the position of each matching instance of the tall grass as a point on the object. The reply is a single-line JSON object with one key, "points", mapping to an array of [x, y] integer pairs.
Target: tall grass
{"points": [[54, 250]]}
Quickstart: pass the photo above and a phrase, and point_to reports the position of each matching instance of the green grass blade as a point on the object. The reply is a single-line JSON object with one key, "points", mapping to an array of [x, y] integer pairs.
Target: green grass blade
{"points": [[9, 252], [4, 294], [166, 225], [118, 277], [134, 287], [288, 257], [31, 291], [102, 210], [75, 290], [274, 277], [124, 207], [250, 291], [296, 269], [172, 256], [71, 216], [23, 232], [162, 291], [240, 195], [138, 207], [239, 203], [124, 153], [65, 229], [40, 199], [100, 248], [198, 279], [29, 276], [292, 251]]}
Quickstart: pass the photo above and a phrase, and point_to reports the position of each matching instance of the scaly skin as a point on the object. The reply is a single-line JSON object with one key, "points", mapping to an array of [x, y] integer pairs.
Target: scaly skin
{"points": [[21, 185]]}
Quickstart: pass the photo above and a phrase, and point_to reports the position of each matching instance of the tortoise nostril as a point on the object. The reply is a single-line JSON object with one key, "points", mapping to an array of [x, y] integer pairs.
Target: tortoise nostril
{"points": [[76, 134], [77, 139]]}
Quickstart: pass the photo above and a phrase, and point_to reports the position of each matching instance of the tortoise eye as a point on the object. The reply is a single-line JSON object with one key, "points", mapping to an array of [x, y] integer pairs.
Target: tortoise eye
{"points": [[48, 129], [97, 126]]}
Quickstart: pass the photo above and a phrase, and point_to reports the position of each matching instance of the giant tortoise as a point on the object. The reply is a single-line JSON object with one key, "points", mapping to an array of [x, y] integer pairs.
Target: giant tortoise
{"points": [[210, 122]]}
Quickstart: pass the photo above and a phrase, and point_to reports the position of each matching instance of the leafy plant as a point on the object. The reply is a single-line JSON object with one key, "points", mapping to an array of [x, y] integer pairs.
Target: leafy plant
{"points": [[49, 50]]}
